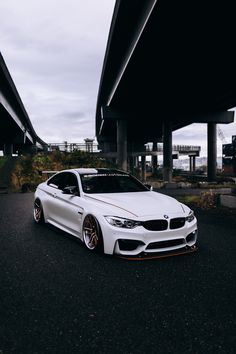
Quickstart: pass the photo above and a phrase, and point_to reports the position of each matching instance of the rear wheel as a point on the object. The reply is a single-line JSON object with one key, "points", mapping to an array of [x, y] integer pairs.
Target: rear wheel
{"points": [[38, 212], [92, 234]]}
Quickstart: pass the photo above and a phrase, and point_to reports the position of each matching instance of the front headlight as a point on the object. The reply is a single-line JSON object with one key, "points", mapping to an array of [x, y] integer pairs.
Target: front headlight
{"points": [[123, 223], [190, 216]]}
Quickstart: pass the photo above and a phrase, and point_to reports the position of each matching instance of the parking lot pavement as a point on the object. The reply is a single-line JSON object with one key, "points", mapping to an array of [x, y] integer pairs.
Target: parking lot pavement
{"points": [[57, 297]]}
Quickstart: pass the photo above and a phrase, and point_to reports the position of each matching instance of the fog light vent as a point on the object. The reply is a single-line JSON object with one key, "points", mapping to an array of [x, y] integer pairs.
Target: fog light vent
{"points": [[191, 237], [129, 245]]}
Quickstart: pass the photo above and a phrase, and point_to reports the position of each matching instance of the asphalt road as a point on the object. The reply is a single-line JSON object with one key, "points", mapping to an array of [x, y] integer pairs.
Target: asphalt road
{"points": [[57, 297]]}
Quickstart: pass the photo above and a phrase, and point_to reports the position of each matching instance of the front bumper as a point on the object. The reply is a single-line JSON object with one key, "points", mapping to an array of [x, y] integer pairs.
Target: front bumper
{"points": [[158, 255], [139, 241]]}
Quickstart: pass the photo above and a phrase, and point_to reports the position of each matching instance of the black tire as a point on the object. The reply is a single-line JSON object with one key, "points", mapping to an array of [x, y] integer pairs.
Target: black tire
{"points": [[92, 234], [38, 212]]}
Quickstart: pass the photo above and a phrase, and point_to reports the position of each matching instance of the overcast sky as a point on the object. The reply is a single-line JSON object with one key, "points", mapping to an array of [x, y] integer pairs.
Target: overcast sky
{"points": [[54, 50]]}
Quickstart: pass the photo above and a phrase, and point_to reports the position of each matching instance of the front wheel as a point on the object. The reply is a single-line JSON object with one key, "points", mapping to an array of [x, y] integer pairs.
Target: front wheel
{"points": [[92, 234], [38, 212]]}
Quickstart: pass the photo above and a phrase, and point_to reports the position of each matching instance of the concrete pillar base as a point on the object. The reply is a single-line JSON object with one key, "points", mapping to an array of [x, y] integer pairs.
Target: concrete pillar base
{"points": [[8, 149], [167, 174]]}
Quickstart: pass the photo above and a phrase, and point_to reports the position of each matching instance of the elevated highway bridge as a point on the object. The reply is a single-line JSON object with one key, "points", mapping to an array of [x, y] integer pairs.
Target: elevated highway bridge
{"points": [[167, 64], [16, 131]]}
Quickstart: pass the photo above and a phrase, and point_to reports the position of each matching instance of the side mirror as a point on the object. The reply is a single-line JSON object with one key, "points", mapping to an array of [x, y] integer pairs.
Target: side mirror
{"points": [[149, 186], [72, 190]]}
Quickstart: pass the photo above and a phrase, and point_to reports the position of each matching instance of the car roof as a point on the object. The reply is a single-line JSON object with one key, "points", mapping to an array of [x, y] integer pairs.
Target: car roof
{"points": [[83, 171]]}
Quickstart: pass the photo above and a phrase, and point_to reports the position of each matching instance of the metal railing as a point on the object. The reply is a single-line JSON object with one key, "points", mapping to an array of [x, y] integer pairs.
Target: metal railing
{"points": [[179, 148], [71, 147], [93, 147]]}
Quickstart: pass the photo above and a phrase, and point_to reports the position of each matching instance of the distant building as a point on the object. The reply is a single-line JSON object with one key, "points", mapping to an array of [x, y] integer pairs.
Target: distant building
{"points": [[89, 144], [229, 157]]}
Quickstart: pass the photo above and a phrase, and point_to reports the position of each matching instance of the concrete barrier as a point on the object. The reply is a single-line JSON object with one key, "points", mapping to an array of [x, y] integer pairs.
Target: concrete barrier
{"points": [[228, 201]]}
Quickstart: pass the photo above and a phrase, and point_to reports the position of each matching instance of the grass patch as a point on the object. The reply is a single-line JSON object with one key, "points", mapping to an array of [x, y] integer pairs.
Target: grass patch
{"points": [[188, 199]]}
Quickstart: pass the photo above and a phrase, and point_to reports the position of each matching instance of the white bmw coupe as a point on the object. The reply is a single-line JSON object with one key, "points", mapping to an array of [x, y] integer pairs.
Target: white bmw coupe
{"points": [[113, 212]]}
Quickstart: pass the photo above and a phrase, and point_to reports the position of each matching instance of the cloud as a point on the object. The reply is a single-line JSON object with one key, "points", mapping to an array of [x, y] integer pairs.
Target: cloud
{"points": [[196, 134], [54, 51]]}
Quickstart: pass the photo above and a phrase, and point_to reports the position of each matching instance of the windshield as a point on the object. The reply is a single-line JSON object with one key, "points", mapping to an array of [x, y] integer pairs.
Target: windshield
{"points": [[111, 183]]}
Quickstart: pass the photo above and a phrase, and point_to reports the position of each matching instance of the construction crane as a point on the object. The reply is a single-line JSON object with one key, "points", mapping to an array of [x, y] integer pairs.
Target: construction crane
{"points": [[221, 135]]}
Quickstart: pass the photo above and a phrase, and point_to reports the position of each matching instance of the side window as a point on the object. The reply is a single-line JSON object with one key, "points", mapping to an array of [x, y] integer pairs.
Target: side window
{"points": [[56, 180], [62, 180], [71, 180]]}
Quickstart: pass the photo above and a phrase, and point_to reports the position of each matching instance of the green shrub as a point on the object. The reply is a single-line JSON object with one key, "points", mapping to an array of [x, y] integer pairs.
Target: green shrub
{"points": [[207, 200], [28, 170]]}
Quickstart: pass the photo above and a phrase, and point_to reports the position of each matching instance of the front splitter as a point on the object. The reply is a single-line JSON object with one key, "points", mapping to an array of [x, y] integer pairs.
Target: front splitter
{"points": [[145, 256]]}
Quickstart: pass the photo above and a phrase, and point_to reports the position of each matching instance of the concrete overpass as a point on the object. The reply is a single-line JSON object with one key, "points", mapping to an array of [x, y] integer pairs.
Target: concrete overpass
{"points": [[16, 131], [167, 64]]}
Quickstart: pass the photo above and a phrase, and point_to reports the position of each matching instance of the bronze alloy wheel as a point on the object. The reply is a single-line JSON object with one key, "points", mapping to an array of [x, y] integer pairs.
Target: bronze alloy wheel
{"points": [[92, 234], [38, 212]]}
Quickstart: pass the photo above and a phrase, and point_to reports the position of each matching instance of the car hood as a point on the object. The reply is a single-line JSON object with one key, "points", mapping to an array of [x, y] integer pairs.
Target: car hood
{"points": [[139, 204]]}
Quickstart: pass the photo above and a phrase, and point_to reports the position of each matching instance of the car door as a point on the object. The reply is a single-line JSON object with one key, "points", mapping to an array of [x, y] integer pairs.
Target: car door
{"points": [[64, 210]]}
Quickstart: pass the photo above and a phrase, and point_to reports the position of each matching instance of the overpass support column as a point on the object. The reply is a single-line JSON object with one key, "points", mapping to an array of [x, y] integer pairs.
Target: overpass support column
{"points": [[131, 164], [143, 166], [154, 158], [8, 149], [211, 151], [194, 163], [190, 164], [122, 144], [167, 152]]}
